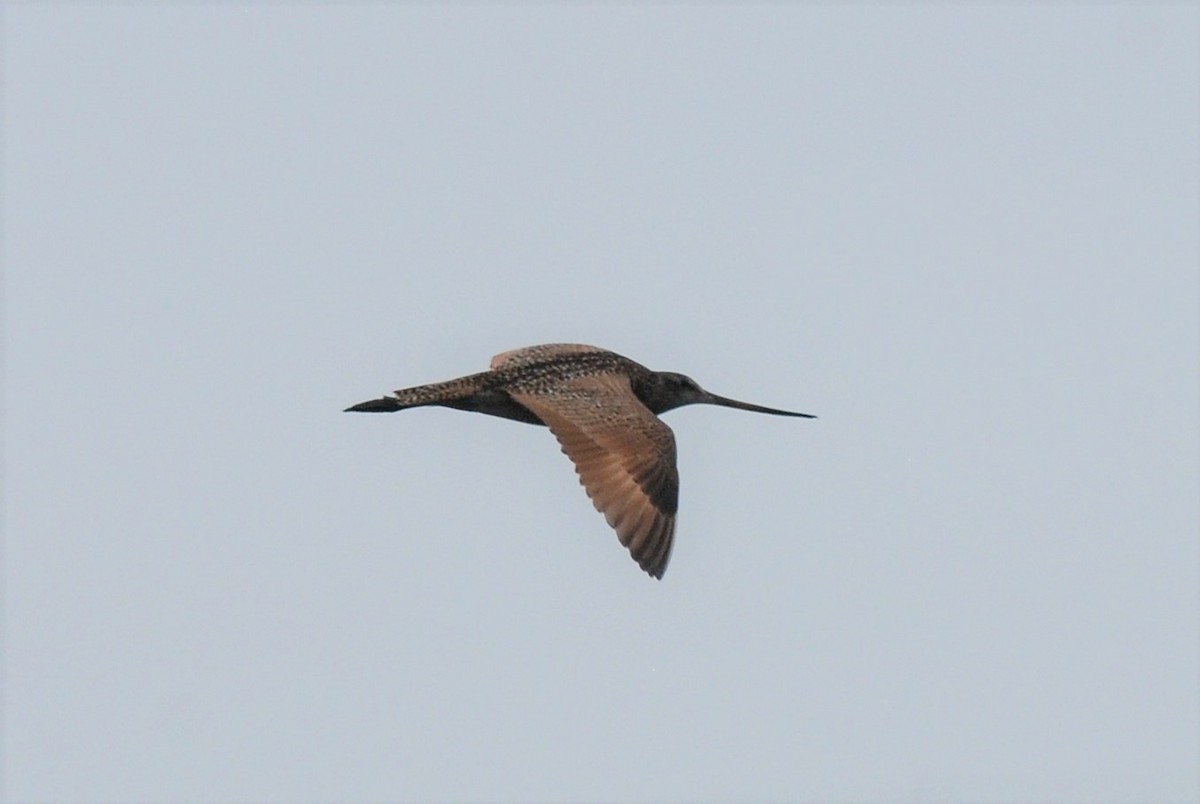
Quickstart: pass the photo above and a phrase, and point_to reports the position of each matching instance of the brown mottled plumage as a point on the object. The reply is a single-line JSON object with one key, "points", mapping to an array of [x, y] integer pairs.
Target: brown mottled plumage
{"points": [[603, 408]]}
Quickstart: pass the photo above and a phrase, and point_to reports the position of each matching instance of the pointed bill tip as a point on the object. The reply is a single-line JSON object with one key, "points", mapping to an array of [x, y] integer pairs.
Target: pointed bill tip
{"points": [[713, 399]]}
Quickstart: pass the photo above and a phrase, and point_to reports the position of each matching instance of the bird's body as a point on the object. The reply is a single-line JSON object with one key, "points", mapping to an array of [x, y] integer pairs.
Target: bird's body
{"points": [[603, 408]]}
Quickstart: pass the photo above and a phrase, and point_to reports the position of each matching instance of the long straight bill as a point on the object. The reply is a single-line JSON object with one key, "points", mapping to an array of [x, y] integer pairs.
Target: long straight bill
{"points": [[713, 399]]}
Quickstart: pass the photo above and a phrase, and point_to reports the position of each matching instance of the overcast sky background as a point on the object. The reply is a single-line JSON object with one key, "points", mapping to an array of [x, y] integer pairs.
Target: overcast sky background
{"points": [[966, 238]]}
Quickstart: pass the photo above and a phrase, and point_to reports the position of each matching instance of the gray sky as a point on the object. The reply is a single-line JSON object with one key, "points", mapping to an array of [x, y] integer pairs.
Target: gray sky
{"points": [[965, 237]]}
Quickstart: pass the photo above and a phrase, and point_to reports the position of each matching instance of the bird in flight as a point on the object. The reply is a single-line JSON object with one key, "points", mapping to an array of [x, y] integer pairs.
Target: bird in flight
{"points": [[603, 408]]}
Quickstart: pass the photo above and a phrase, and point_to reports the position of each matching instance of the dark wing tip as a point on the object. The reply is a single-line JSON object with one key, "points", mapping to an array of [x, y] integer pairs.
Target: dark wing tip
{"points": [[654, 570], [654, 552], [385, 404]]}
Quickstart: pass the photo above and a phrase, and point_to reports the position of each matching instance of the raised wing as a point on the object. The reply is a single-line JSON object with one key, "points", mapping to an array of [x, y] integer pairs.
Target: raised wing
{"points": [[625, 457], [533, 354]]}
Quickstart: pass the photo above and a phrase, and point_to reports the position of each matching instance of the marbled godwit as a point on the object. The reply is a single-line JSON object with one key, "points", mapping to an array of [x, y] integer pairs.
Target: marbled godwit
{"points": [[603, 408]]}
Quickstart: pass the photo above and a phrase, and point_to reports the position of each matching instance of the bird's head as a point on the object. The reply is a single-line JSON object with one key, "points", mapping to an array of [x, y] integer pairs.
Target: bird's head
{"points": [[676, 390], [673, 390]]}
